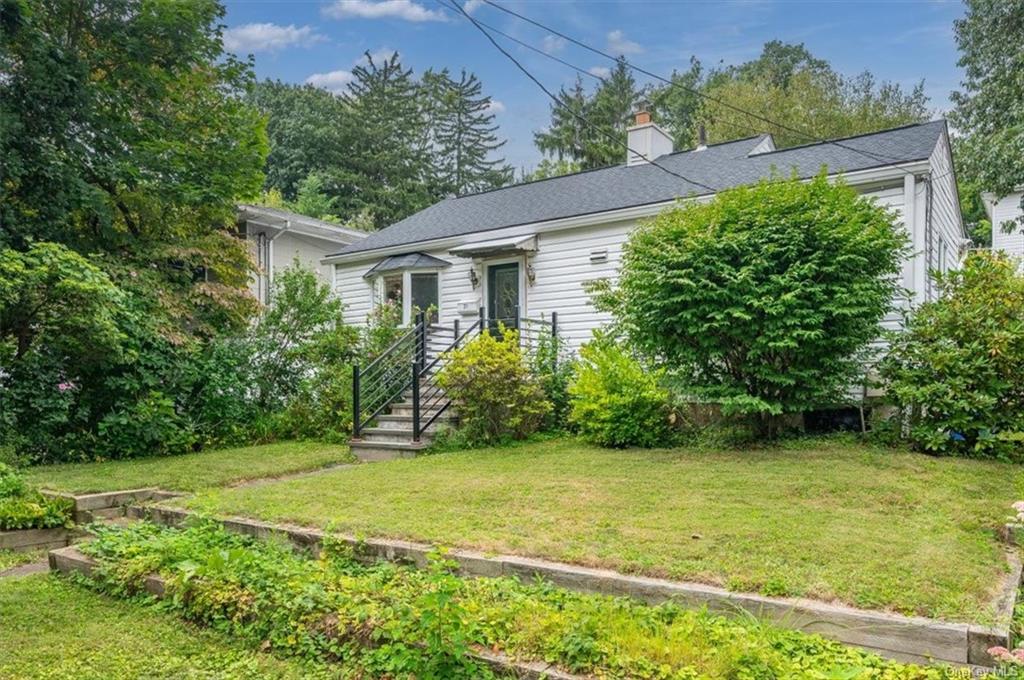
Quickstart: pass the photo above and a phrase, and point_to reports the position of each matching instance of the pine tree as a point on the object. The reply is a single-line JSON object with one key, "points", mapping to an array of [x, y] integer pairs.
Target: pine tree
{"points": [[463, 134], [601, 140], [388, 169]]}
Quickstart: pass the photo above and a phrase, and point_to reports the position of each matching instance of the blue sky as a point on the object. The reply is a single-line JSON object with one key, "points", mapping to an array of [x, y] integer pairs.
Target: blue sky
{"points": [[319, 42]]}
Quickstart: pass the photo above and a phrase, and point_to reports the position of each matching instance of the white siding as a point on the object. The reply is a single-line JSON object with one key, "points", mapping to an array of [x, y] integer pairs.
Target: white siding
{"points": [[1005, 209], [947, 230]]}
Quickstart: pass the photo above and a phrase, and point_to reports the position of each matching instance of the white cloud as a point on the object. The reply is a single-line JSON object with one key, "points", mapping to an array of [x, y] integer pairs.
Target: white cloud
{"points": [[472, 5], [495, 107], [332, 81], [267, 37], [599, 71], [382, 9], [553, 43], [618, 44]]}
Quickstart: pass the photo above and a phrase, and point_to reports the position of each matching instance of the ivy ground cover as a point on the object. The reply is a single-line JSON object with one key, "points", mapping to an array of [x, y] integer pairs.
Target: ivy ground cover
{"points": [[834, 520], [400, 622]]}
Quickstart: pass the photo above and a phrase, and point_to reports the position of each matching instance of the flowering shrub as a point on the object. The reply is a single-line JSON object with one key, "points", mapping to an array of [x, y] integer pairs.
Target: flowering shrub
{"points": [[1005, 656]]}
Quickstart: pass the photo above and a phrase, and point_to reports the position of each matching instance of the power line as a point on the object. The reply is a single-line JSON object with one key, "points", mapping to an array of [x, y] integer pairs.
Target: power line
{"points": [[694, 91], [559, 103]]}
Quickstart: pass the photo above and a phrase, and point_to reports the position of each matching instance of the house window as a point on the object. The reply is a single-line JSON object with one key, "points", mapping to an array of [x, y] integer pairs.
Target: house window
{"points": [[393, 288], [424, 292]]}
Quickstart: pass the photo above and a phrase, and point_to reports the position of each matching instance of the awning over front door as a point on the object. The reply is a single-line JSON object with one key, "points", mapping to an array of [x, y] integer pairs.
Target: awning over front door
{"points": [[407, 261], [505, 246]]}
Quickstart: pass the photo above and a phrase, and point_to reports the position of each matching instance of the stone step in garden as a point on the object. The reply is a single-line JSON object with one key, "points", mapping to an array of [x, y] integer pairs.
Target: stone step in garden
{"points": [[404, 422], [374, 451], [378, 435]]}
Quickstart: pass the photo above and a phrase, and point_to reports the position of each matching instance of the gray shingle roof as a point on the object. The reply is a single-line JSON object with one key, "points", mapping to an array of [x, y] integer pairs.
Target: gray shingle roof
{"points": [[720, 166], [407, 261]]}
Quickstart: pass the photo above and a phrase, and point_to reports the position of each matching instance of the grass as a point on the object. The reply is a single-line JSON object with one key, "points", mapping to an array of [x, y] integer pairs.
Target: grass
{"points": [[10, 559], [55, 629], [190, 472], [829, 519]]}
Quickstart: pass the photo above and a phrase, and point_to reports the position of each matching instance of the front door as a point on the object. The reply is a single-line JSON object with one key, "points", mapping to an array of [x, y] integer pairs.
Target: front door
{"points": [[503, 294]]}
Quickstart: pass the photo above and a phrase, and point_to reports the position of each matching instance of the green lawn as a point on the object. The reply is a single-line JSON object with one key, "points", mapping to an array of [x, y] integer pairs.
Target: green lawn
{"points": [[828, 519], [10, 559], [190, 472], [55, 629]]}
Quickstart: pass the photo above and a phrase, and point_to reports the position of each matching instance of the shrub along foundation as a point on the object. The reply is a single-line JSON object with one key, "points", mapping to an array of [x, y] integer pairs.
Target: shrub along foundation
{"points": [[902, 638]]}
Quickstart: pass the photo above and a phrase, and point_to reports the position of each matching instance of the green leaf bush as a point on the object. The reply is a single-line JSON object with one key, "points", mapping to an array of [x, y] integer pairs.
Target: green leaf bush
{"points": [[22, 507], [615, 400], [394, 621], [763, 298], [494, 391], [957, 371]]}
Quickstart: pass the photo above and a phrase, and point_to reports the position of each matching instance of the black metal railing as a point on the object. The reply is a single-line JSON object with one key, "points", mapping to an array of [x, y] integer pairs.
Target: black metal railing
{"points": [[429, 400], [386, 378]]}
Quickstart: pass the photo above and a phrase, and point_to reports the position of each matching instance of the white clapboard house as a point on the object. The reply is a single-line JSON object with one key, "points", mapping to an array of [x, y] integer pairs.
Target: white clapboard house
{"points": [[1007, 217], [524, 253]]}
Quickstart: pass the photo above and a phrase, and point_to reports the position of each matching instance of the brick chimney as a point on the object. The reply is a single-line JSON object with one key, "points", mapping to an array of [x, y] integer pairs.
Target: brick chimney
{"points": [[646, 141]]}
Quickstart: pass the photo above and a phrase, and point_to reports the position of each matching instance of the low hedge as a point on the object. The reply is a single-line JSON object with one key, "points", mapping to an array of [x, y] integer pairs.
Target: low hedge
{"points": [[394, 621], [23, 507]]}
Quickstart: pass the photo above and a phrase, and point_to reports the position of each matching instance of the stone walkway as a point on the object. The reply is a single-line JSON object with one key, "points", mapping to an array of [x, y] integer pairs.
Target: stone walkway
{"points": [[291, 475]]}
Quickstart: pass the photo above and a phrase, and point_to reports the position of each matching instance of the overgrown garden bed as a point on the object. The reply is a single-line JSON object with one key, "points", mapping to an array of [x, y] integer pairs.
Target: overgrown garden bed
{"points": [[398, 621]]}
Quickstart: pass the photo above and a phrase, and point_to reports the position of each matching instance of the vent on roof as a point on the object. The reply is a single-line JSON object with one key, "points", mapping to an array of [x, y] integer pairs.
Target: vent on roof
{"points": [[764, 146]]}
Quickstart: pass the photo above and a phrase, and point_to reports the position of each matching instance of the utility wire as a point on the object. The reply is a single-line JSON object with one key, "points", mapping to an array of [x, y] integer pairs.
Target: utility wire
{"points": [[703, 95], [560, 104]]}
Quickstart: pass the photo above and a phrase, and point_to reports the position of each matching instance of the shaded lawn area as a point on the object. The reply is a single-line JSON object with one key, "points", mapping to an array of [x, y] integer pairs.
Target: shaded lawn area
{"points": [[828, 519], [192, 471], [55, 629]]}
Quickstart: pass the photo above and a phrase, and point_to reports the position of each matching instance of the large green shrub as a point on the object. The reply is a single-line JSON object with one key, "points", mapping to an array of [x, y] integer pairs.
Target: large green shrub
{"points": [[615, 400], [957, 371], [761, 299], [496, 394], [22, 507]]}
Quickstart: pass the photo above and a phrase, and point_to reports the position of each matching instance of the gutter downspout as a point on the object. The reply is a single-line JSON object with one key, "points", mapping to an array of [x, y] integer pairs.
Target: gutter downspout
{"points": [[270, 260]]}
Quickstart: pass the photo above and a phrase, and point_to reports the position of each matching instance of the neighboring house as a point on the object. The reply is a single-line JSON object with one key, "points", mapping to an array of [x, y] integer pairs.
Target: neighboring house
{"points": [[1001, 212], [278, 237], [532, 247]]}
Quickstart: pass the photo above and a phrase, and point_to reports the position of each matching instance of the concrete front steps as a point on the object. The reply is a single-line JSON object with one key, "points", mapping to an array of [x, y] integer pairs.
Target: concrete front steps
{"points": [[392, 436]]}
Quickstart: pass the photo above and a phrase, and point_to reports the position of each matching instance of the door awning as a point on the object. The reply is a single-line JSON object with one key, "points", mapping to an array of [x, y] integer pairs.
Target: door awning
{"points": [[407, 261], [517, 244]]}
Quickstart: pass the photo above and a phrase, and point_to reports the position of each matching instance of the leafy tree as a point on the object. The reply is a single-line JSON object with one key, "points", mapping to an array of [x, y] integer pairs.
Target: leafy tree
{"points": [[960, 385], [312, 199], [310, 131], [677, 106], [762, 299], [804, 98], [123, 134], [550, 168], [600, 142], [988, 112], [463, 135]]}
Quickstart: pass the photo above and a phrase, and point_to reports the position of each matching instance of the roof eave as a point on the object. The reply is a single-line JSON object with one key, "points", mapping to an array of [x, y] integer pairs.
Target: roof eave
{"points": [[856, 177]]}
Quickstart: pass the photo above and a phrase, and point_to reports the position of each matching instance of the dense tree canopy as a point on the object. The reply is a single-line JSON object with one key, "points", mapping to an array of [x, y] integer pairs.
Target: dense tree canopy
{"points": [[802, 96], [989, 110], [390, 145]]}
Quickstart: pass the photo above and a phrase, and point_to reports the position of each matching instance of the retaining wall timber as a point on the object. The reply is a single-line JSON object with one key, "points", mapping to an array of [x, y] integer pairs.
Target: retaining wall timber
{"points": [[914, 639]]}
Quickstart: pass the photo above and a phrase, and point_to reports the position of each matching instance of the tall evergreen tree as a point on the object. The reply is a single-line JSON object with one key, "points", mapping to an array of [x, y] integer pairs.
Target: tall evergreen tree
{"points": [[388, 168], [464, 135], [601, 141]]}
